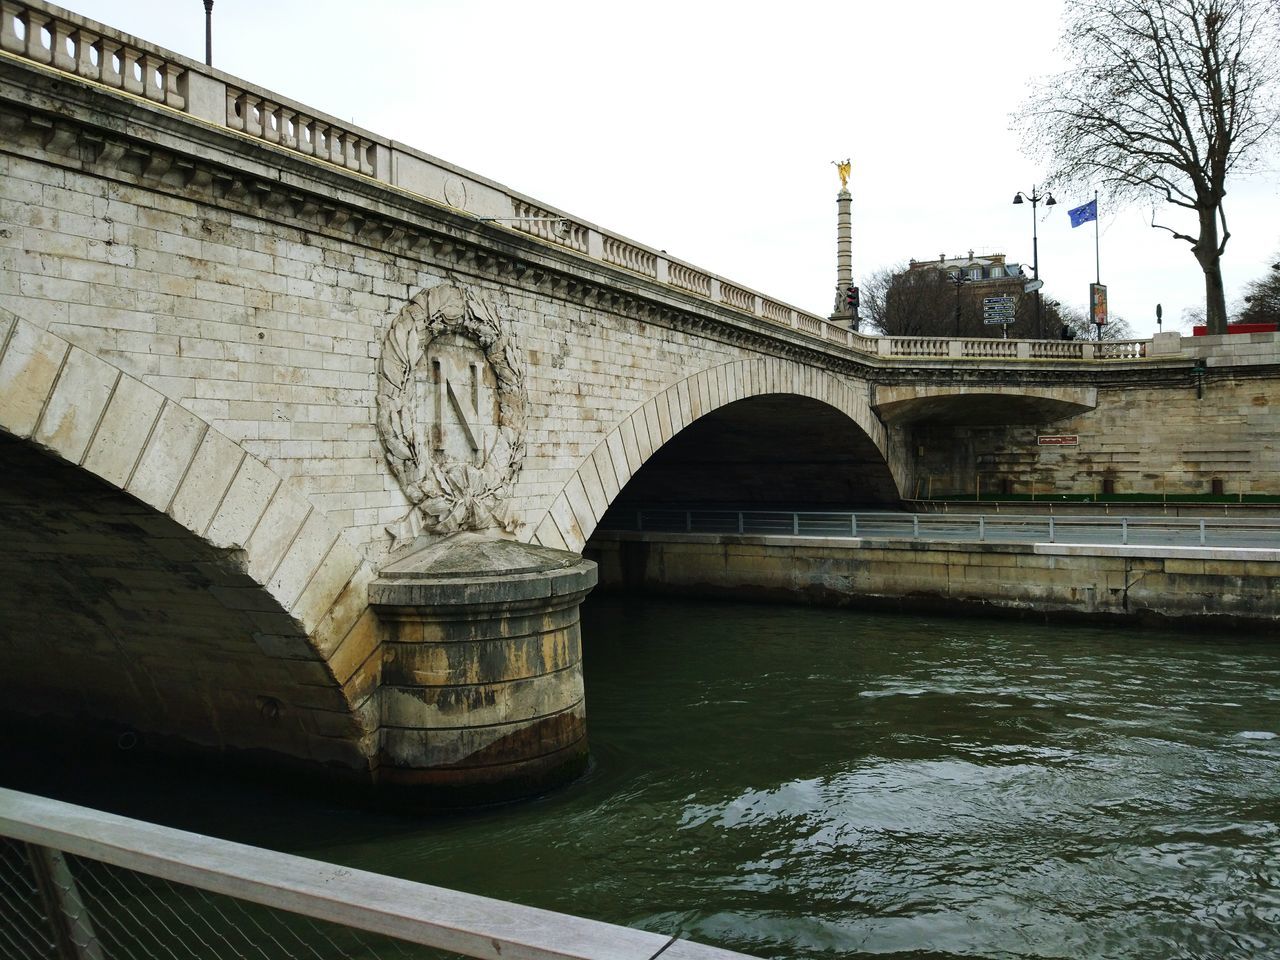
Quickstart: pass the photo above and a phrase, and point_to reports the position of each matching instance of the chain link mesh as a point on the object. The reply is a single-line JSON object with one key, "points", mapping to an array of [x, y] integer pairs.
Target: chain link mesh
{"points": [[25, 930], [110, 913]]}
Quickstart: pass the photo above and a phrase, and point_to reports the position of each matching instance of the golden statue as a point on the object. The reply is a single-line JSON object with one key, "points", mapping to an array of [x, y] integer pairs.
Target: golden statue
{"points": [[844, 168]]}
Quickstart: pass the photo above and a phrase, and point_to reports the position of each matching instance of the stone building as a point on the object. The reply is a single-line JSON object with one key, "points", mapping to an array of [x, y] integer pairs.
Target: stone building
{"points": [[978, 277]]}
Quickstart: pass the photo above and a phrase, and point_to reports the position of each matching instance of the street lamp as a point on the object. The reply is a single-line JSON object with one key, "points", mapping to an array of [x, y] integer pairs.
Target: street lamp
{"points": [[1035, 198], [208, 33]]}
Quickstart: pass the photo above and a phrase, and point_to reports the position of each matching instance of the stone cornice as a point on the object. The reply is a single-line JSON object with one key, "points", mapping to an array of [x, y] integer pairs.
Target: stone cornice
{"points": [[1173, 372]]}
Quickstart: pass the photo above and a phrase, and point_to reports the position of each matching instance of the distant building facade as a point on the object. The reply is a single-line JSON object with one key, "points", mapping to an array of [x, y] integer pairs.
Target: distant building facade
{"points": [[987, 272], [986, 275]]}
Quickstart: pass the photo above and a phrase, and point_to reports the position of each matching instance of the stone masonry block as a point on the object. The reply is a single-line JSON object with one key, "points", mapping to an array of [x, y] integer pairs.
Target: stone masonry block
{"points": [[314, 573], [733, 380], [664, 418], [570, 532], [216, 462], [604, 470], [644, 441], [548, 535], [28, 369], [76, 404], [618, 456], [356, 649], [704, 392], [589, 477], [672, 397], [124, 430], [169, 451], [630, 447], [244, 504], [653, 424], [695, 398], [576, 494], [719, 392], [281, 522], [351, 604]]}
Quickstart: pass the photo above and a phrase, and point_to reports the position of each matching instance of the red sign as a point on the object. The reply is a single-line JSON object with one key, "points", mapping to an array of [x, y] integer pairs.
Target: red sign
{"points": [[1060, 440], [1200, 330]]}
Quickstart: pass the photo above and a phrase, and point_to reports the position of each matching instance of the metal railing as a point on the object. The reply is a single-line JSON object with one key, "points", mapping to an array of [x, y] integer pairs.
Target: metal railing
{"points": [[79, 884], [960, 528]]}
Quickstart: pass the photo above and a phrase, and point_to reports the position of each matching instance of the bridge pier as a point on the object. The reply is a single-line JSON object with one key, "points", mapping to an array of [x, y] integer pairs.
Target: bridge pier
{"points": [[481, 694]]}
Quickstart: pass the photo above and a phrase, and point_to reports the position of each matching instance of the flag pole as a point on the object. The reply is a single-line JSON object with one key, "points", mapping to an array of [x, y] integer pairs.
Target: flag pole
{"points": [[1097, 256]]}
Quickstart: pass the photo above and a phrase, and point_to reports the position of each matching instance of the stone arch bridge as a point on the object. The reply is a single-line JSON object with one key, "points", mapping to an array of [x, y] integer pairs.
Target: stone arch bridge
{"points": [[303, 430]]}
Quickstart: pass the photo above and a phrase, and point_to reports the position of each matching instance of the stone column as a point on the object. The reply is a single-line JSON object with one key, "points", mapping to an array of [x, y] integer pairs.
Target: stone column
{"points": [[844, 254], [482, 697]]}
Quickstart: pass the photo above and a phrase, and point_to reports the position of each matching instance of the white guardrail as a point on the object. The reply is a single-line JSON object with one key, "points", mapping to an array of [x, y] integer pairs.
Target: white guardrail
{"points": [[80, 884], [1005, 528], [62, 40]]}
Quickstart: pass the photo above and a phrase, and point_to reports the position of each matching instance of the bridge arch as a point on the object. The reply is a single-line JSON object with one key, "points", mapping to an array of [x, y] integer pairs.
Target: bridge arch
{"points": [[159, 578], [596, 483]]}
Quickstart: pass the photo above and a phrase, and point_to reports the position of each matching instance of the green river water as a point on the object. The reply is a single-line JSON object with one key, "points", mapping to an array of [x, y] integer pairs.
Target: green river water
{"points": [[796, 782]]}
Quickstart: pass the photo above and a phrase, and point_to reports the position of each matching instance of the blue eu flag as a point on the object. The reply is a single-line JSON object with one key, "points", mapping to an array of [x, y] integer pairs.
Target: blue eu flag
{"points": [[1083, 213]]}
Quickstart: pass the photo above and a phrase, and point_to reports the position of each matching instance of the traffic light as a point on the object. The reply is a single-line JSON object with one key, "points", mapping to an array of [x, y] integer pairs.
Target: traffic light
{"points": [[851, 297]]}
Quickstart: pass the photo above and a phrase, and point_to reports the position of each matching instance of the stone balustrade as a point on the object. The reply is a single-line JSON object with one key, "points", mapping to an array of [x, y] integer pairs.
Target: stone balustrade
{"points": [[65, 41], [286, 126], [989, 348], [624, 254], [736, 296], [71, 44], [687, 278]]}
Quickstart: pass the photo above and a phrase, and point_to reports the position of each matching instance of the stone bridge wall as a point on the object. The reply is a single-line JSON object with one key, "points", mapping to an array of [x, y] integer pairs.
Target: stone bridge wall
{"points": [[261, 304], [1174, 434]]}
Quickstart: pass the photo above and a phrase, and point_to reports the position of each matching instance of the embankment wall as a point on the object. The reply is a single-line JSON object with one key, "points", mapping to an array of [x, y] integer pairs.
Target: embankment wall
{"points": [[1195, 586]]}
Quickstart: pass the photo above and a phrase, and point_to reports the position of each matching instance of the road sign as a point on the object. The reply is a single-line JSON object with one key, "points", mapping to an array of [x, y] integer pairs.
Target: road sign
{"points": [[1058, 440], [997, 309], [1031, 286]]}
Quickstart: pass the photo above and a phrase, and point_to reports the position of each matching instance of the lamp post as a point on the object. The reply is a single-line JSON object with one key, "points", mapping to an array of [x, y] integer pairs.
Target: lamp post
{"points": [[208, 33], [1035, 198], [959, 280]]}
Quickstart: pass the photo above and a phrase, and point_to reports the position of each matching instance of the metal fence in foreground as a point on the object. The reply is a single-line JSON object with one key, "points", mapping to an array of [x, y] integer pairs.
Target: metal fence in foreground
{"points": [[79, 884], [960, 528]]}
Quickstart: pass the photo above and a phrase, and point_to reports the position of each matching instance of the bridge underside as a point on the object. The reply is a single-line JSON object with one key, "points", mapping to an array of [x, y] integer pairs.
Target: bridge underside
{"points": [[775, 450], [985, 405], [118, 618]]}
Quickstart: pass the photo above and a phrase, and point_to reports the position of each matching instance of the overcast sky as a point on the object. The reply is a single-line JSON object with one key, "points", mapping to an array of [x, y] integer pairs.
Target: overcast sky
{"points": [[707, 129]]}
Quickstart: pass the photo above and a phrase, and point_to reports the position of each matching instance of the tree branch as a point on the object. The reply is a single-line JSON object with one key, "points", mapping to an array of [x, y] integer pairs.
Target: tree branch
{"points": [[1177, 236]]}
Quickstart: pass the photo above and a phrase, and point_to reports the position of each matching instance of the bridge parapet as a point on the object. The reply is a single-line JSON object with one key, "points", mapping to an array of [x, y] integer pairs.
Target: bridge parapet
{"points": [[988, 348]]}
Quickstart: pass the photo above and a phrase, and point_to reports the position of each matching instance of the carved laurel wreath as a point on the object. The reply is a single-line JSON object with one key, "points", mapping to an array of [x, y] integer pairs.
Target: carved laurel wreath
{"points": [[448, 494]]}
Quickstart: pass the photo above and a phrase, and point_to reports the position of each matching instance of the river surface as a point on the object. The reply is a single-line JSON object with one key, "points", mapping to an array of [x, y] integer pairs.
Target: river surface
{"points": [[796, 782]]}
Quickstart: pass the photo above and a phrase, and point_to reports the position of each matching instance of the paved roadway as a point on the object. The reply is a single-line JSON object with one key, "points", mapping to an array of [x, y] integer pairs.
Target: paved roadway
{"points": [[966, 528]]}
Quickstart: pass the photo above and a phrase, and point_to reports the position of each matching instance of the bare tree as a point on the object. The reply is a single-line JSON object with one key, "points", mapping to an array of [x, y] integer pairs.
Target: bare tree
{"points": [[922, 300], [1262, 298], [1167, 98], [1191, 318], [901, 302], [1078, 325]]}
